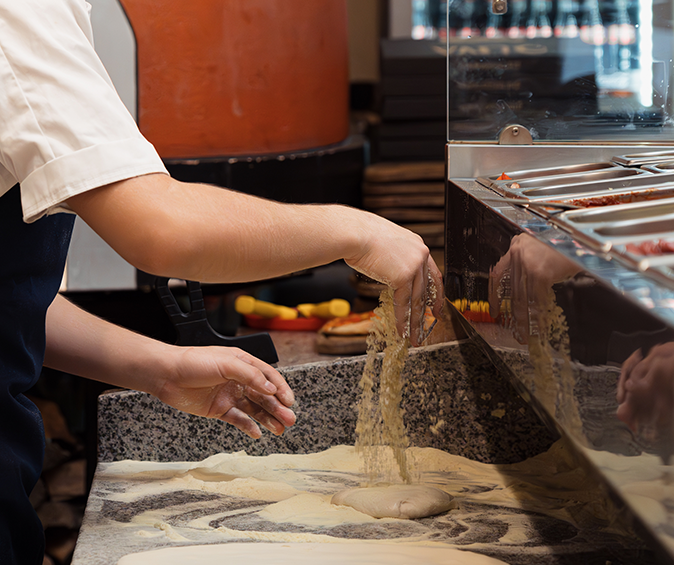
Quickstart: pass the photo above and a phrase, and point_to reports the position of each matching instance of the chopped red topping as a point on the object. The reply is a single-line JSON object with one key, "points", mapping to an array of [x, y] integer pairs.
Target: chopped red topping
{"points": [[651, 247]]}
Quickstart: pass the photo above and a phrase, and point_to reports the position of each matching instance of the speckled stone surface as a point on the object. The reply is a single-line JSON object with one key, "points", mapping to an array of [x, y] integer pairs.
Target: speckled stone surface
{"points": [[595, 398], [119, 521], [294, 347], [453, 400]]}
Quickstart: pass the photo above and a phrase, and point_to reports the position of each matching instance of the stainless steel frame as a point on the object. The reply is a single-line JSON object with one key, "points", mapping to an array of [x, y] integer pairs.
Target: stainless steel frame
{"points": [[614, 303]]}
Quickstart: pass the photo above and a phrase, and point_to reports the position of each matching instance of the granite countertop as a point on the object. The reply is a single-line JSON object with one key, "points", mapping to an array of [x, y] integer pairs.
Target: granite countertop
{"points": [[296, 348], [166, 505], [454, 401]]}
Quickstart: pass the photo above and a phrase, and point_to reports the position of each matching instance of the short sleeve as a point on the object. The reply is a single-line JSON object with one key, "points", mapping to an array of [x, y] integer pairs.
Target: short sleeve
{"points": [[63, 128]]}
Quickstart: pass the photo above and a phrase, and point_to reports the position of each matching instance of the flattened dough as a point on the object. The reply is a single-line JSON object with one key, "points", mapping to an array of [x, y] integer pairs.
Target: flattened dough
{"points": [[357, 553], [396, 501]]}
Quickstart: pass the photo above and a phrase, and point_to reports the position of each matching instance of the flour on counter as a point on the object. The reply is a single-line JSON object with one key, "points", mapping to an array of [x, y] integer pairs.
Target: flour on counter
{"points": [[525, 512], [312, 510], [277, 485], [646, 484], [356, 553]]}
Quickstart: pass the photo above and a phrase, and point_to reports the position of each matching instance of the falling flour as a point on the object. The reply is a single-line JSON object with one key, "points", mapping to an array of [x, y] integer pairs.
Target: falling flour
{"points": [[381, 427], [553, 380], [380, 416]]}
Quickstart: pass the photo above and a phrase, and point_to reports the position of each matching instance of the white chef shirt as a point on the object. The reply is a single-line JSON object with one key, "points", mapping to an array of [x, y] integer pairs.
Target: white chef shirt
{"points": [[63, 128]]}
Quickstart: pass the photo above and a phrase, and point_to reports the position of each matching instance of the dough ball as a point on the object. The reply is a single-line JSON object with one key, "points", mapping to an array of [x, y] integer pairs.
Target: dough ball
{"points": [[396, 501]]}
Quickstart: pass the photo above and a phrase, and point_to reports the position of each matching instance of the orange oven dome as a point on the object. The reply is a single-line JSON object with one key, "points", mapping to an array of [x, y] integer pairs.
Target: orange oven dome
{"points": [[240, 77]]}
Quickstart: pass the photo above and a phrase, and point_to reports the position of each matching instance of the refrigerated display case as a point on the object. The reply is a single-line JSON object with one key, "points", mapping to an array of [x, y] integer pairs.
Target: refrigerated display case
{"points": [[560, 226]]}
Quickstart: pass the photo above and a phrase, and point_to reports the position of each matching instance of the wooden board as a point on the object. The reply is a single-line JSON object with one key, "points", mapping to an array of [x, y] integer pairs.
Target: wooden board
{"points": [[341, 345], [430, 229], [408, 171], [411, 214], [388, 188], [404, 201]]}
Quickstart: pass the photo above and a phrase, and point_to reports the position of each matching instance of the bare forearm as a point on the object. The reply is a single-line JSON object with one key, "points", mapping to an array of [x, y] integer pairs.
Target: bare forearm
{"points": [[82, 344], [210, 234], [216, 382]]}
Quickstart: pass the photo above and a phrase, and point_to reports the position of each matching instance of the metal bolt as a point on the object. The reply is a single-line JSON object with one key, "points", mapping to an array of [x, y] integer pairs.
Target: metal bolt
{"points": [[499, 6]]}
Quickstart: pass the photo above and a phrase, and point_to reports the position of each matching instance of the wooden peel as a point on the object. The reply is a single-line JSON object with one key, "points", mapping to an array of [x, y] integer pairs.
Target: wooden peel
{"points": [[341, 345], [348, 335], [345, 336]]}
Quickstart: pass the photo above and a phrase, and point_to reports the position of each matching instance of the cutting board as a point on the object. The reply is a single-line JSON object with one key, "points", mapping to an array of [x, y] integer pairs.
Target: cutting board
{"points": [[341, 344], [374, 188], [411, 171]]}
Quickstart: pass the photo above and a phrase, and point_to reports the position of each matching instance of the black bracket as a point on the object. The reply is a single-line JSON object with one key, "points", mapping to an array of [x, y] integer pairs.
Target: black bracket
{"points": [[193, 328]]}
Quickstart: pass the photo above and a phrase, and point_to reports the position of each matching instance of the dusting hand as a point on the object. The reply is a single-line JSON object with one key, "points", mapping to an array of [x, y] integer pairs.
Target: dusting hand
{"points": [[646, 390], [216, 382], [530, 268], [399, 258], [231, 385]]}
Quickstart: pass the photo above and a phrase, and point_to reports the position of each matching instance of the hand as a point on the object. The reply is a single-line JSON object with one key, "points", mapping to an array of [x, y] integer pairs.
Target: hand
{"points": [[231, 385], [257, 239], [399, 258], [532, 268], [216, 382], [646, 389]]}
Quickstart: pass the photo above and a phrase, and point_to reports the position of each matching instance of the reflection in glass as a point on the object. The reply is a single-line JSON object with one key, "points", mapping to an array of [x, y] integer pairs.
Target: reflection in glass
{"points": [[566, 70]]}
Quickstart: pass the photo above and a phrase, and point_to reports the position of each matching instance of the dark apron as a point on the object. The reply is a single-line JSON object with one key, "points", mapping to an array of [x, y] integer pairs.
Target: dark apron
{"points": [[32, 258]]}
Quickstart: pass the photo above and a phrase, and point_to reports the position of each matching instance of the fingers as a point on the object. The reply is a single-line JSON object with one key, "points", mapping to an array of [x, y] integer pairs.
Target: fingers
{"points": [[274, 417], [399, 258], [272, 411], [626, 415], [411, 299], [436, 288], [641, 410], [402, 304], [625, 373], [540, 300], [259, 376], [495, 280], [240, 420], [283, 391], [645, 391], [236, 405], [263, 405], [493, 297], [418, 305], [231, 385], [519, 301]]}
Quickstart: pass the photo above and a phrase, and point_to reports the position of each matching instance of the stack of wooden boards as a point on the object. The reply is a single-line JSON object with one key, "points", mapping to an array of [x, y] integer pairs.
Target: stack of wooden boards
{"points": [[411, 194], [413, 101]]}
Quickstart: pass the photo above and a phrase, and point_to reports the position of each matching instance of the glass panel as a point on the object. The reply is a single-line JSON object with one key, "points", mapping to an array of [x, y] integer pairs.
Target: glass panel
{"points": [[567, 70], [429, 19]]}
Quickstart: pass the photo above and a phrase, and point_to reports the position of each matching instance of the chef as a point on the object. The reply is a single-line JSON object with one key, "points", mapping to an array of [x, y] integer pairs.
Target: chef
{"points": [[68, 146]]}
